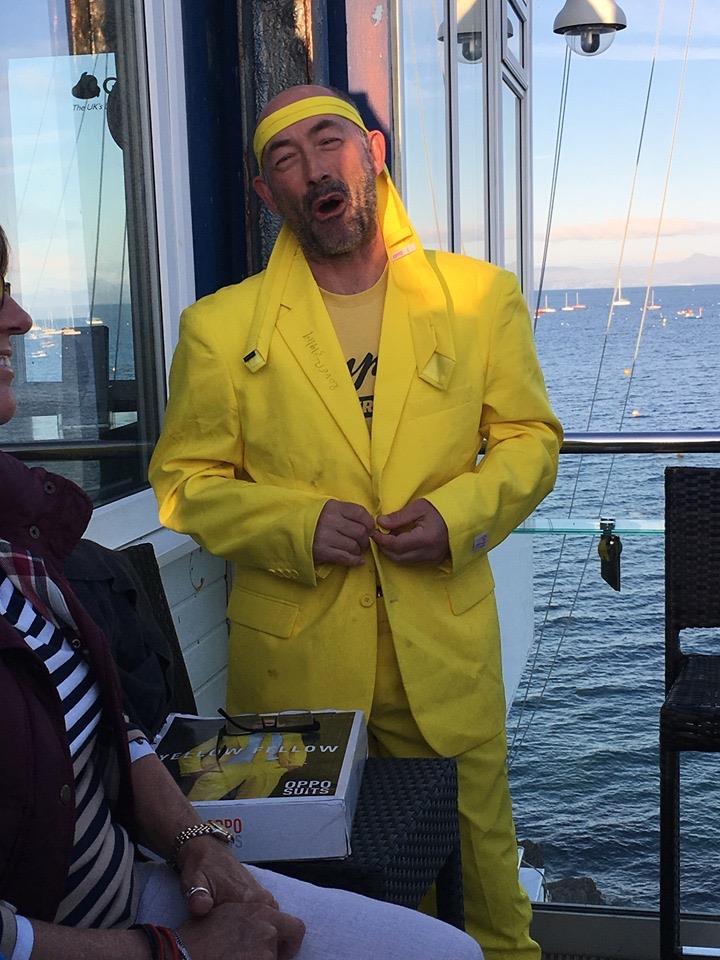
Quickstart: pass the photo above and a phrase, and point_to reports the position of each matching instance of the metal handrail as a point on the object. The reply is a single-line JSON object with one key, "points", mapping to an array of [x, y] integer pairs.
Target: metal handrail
{"points": [[698, 441], [61, 450]]}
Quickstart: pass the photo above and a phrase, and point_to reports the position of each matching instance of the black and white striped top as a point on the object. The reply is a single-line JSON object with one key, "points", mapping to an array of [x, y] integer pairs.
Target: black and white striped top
{"points": [[99, 889]]}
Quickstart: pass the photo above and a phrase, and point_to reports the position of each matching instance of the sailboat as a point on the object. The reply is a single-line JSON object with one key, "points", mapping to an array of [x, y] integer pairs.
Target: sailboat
{"points": [[578, 305], [652, 305], [545, 309], [620, 300], [567, 306]]}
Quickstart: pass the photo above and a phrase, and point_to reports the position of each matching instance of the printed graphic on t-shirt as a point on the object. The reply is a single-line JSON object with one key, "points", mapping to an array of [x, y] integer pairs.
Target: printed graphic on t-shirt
{"points": [[360, 370]]}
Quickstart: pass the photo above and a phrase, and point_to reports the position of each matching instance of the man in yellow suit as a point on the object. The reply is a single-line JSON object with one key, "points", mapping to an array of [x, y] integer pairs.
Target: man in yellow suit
{"points": [[322, 433]]}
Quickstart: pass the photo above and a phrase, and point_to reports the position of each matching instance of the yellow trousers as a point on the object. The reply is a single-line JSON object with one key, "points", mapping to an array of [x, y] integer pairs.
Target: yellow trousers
{"points": [[497, 910]]}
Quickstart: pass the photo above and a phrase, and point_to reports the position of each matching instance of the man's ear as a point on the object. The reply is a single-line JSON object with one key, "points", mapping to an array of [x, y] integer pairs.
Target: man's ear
{"points": [[376, 143], [265, 194]]}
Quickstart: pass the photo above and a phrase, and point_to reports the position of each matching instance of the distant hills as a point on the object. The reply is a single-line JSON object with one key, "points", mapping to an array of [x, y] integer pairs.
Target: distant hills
{"points": [[696, 269]]}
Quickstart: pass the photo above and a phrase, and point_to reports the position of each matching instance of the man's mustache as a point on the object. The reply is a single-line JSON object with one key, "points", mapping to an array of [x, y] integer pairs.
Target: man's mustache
{"points": [[325, 189]]}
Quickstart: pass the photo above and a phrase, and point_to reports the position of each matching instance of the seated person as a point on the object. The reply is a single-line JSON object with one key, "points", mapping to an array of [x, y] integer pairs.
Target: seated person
{"points": [[81, 785]]}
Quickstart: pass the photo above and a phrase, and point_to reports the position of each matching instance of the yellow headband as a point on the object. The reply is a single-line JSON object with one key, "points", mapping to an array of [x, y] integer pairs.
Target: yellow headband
{"points": [[301, 110]]}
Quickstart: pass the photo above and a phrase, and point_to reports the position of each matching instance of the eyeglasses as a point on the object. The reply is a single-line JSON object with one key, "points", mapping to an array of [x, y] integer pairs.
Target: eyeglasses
{"points": [[6, 292], [300, 721]]}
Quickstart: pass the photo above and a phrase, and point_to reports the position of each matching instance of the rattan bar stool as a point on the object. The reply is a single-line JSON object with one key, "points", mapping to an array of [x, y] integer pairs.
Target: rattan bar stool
{"points": [[690, 715], [405, 837]]}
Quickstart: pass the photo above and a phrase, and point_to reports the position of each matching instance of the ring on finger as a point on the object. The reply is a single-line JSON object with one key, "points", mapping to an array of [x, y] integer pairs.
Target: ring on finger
{"points": [[193, 890]]}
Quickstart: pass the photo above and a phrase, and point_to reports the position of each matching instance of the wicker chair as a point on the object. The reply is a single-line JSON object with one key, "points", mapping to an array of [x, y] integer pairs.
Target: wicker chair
{"points": [[690, 715], [145, 566]]}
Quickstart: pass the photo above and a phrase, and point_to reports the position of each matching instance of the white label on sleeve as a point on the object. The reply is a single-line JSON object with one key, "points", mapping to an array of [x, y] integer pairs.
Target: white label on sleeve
{"points": [[480, 542]]}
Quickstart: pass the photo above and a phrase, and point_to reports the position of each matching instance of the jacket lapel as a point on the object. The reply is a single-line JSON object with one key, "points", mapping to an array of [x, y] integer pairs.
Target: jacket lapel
{"points": [[305, 326], [396, 371]]}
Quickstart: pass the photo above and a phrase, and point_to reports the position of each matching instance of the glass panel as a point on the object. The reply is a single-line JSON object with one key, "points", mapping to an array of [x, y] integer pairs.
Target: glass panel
{"points": [[583, 729], [70, 141], [511, 177], [471, 126], [514, 32], [424, 119]]}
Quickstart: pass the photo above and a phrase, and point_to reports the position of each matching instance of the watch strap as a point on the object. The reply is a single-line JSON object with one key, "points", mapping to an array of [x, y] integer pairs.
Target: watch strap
{"points": [[199, 830]]}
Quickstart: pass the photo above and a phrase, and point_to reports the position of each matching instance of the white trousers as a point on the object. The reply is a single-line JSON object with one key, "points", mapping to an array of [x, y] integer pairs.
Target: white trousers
{"points": [[339, 925]]}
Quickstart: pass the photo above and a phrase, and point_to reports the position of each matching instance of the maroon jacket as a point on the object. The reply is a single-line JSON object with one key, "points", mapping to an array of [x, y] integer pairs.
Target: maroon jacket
{"points": [[46, 515]]}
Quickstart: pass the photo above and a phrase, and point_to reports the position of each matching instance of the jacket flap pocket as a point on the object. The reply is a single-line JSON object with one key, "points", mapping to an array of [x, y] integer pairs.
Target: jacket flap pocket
{"points": [[470, 586], [267, 614]]}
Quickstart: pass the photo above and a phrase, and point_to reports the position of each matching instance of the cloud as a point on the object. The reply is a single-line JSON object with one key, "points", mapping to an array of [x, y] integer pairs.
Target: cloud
{"points": [[640, 229], [641, 52]]}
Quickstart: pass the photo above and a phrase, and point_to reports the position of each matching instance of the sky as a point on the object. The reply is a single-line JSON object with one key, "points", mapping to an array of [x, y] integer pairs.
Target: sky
{"points": [[605, 104], [604, 111], [66, 234], [40, 124]]}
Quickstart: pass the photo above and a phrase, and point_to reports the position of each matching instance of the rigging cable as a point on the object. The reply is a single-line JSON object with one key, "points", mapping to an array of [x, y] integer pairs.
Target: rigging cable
{"points": [[661, 215], [678, 112], [516, 745], [512, 750], [99, 212], [70, 168], [556, 167], [631, 200], [114, 369]]}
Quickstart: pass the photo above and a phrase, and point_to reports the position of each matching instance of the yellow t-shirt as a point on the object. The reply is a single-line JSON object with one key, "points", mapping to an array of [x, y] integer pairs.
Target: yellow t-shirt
{"points": [[357, 319]]}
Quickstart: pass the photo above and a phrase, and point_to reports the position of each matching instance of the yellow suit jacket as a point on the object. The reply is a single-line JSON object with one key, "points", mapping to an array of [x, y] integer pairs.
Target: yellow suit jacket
{"points": [[246, 462]]}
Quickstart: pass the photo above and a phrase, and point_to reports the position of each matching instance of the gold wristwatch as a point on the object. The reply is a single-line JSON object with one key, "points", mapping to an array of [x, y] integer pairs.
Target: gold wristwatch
{"points": [[200, 830]]}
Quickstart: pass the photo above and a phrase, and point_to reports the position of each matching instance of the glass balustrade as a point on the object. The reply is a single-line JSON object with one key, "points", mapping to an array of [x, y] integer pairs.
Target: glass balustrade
{"points": [[583, 726]]}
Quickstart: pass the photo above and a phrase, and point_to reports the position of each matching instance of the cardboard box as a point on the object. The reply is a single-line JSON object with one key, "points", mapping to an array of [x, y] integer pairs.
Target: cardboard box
{"points": [[284, 795]]}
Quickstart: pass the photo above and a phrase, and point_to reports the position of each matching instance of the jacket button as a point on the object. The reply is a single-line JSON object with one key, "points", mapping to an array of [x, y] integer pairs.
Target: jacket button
{"points": [[65, 794], [49, 486], [367, 600], [75, 643], [34, 532]]}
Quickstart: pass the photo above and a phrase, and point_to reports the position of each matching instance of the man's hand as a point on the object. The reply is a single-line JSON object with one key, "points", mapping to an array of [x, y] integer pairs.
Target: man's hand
{"points": [[208, 866], [417, 534], [243, 932], [342, 534]]}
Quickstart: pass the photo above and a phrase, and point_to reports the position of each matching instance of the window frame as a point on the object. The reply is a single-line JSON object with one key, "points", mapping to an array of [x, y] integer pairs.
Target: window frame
{"points": [[134, 517], [499, 66]]}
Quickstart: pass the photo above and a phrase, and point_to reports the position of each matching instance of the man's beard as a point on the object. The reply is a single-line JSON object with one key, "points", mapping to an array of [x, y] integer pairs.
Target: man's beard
{"points": [[334, 237]]}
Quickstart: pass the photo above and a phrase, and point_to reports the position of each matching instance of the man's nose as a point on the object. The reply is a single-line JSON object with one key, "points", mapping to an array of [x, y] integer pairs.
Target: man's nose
{"points": [[316, 169], [14, 321]]}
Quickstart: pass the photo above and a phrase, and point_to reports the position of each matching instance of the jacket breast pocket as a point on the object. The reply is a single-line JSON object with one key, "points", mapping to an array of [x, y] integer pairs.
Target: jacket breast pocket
{"points": [[427, 401], [470, 587], [265, 614]]}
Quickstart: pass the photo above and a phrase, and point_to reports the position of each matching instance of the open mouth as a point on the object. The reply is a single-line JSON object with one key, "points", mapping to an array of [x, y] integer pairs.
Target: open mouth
{"points": [[331, 205]]}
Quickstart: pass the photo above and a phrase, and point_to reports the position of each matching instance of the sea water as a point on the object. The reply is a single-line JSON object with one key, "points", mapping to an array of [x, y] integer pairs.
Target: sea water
{"points": [[583, 730]]}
